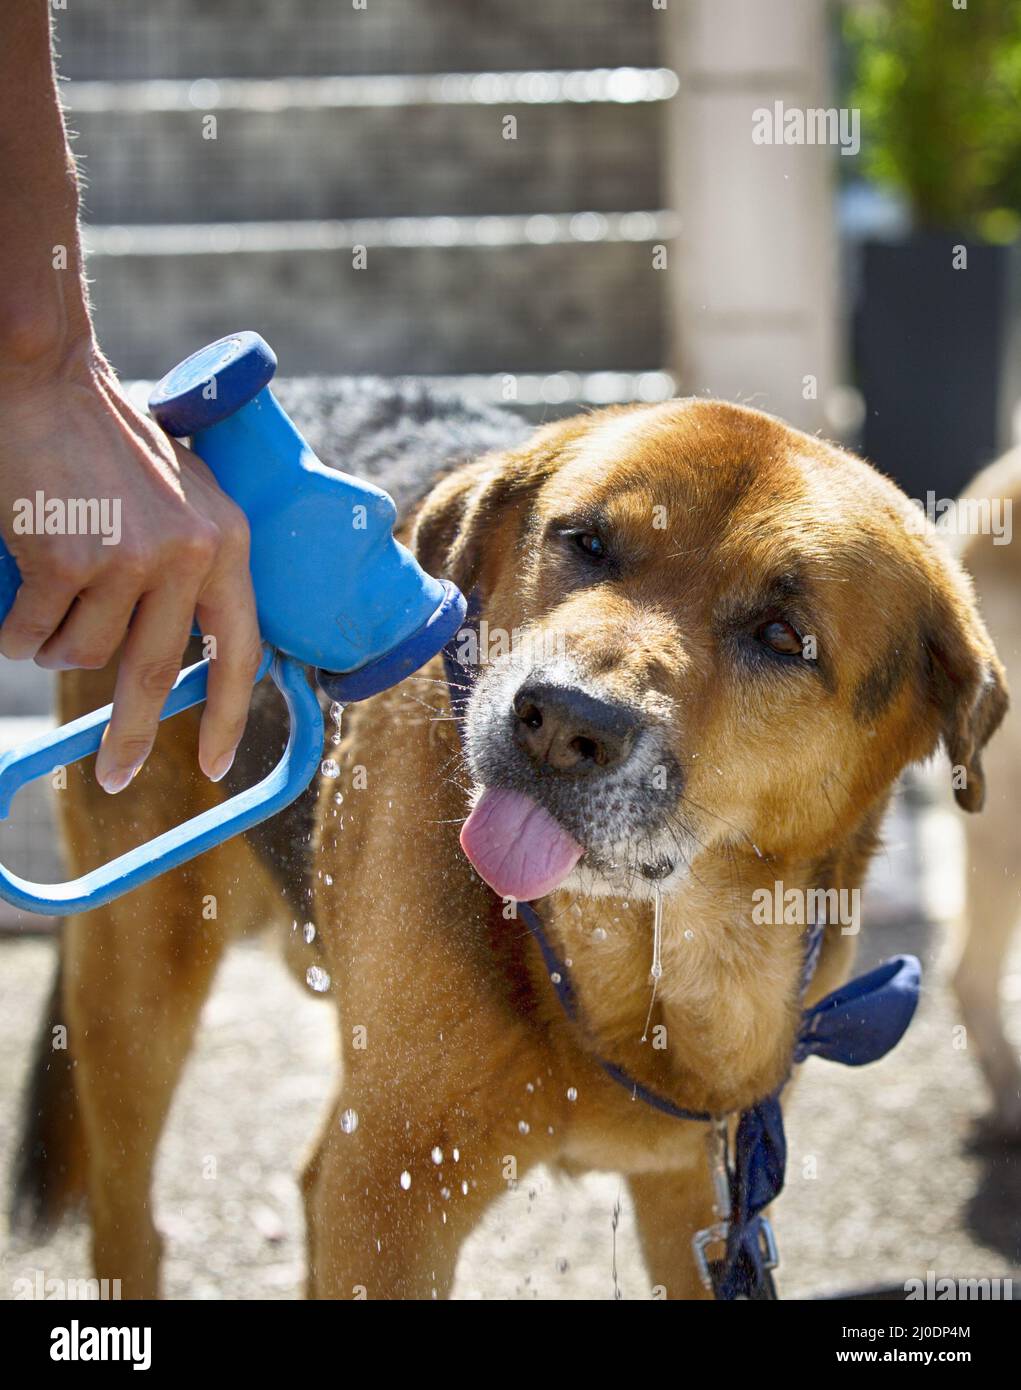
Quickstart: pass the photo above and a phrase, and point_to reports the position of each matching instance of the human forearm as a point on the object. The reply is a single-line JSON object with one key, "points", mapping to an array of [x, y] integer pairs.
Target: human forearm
{"points": [[68, 430], [43, 303]]}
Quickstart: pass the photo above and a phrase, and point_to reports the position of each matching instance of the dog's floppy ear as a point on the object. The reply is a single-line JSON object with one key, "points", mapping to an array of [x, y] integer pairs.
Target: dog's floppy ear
{"points": [[966, 682], [449, 528], [457, 534]]}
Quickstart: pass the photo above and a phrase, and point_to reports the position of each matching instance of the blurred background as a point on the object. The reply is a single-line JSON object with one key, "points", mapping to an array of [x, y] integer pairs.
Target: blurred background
{"points": [[554, 207], [563, 203]]}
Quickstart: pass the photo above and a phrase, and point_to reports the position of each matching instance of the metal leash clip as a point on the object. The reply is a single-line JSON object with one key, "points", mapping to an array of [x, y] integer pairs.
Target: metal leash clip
{"points": [[770, 1254], [717, 1233], [717, 1148]]}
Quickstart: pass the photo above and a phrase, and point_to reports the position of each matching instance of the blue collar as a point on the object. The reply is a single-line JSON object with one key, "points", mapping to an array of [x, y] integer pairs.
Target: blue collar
{"points": [[855, 1024]]}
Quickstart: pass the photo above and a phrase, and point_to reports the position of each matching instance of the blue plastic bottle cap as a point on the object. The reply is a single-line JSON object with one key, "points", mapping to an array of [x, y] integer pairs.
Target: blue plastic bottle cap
{"points": [[404, 659], [212, 384]]}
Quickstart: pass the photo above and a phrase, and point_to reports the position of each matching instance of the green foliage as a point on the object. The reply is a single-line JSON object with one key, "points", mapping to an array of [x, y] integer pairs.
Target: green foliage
{"points": [[939, 89]]}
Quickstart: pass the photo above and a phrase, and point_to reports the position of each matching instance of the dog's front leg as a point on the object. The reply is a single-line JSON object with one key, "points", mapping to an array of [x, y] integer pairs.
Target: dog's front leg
{"points": [[387, 1210], [669, 1209]]}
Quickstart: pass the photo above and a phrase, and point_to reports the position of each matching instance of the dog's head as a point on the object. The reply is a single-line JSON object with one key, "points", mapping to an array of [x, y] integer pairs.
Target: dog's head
{"points": [[702, 628]]}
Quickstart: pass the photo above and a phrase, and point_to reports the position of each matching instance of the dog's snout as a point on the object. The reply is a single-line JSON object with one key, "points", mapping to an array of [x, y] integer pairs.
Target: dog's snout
{"points": [[563, 729]]}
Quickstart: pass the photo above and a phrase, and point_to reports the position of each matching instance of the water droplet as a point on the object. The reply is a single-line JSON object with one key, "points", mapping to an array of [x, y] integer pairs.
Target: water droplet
{"points": [[529, 1087], [437, 1155], [657, 936], [555, 977], [599, 934], [523, 1127], [308, 931], [349, 1121], [330, 768], [562, 1266], [656, 969], [689, 935], [337, 712], [328, 879], [572, 1093], [464, 1189], [317, 978], [445, 1193], [457, 1154], [338, 798], [405, 1180]]}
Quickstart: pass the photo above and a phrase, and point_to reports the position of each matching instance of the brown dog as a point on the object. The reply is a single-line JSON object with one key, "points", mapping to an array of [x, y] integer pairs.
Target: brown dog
{"points": [[730, 639]]}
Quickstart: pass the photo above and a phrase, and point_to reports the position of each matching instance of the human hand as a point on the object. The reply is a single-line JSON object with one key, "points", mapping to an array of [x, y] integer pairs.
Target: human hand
{"points": [[179, 552]]}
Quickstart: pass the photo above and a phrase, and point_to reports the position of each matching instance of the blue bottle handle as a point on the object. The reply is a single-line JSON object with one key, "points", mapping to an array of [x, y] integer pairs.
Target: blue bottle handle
{"points": [[61, 747], [76, 740]]}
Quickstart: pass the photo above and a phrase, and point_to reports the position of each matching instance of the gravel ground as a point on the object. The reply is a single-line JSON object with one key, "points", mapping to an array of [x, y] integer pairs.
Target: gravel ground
{"points": [[883, 1183]]}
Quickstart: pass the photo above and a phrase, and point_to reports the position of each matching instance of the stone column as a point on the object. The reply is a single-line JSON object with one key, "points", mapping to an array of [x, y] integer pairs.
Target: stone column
{"points": [[754, 272]]}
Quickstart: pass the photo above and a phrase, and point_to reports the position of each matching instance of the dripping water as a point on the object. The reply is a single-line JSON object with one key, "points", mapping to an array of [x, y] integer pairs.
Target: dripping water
{"points": [[331, 767], [656, 970], [614, 1223], [336, 716]]}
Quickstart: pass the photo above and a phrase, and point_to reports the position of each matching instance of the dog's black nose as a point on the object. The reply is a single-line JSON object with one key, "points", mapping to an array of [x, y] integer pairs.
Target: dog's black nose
{"points": [[564, 729]]}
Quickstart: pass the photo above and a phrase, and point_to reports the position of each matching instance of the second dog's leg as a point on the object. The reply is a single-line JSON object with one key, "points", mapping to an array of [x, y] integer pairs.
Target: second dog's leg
{"points": [[992, 911]]}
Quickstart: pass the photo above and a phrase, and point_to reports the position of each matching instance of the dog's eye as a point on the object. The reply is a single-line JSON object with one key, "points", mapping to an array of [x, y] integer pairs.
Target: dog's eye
{"points": [[779, 636], [590, 543]]}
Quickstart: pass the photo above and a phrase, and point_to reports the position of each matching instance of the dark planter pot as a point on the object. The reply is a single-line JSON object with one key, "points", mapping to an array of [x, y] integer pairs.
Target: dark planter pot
{"points": [[939, 358]]}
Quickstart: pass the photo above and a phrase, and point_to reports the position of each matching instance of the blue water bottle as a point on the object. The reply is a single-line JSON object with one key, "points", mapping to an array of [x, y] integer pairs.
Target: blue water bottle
{"points": [[333, 590]]}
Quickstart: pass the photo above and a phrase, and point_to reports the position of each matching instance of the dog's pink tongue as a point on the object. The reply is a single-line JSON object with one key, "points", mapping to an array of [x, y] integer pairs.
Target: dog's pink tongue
{"points": [[517, 847]]}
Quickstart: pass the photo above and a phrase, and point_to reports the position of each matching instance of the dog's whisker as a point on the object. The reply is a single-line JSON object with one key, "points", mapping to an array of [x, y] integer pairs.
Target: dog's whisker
{"points": [[451, 782], [438, 680], [418, 700], [690, 801]]}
